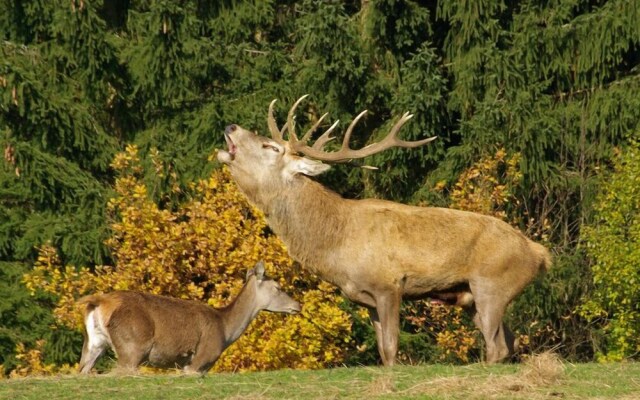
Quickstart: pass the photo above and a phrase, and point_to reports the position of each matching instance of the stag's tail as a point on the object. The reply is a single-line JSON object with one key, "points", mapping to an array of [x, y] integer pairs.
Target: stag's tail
{"points": [[544, 256]]}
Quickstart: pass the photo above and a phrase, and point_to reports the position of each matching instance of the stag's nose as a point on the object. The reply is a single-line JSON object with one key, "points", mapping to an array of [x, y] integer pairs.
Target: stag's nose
{"points": [[230, 128]]}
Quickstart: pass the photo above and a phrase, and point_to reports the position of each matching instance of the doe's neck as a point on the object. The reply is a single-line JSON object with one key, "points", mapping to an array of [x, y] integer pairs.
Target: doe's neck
{"points": [[237, 316]]}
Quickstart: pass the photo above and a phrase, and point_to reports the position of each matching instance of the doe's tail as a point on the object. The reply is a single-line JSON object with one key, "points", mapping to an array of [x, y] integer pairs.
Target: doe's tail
{"points": [[88, 303]]}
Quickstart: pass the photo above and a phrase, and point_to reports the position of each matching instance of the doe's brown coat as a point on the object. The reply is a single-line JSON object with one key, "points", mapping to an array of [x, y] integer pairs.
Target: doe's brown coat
{"points": [[173, 333]]}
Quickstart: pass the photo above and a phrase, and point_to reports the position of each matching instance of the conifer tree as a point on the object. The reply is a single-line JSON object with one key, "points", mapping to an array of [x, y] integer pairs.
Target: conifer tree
{"points": [[57, 78]]}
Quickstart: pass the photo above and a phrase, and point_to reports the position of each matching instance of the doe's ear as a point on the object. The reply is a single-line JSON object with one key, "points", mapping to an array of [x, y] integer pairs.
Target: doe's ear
{"points": [[258, 271], [306, 166]]}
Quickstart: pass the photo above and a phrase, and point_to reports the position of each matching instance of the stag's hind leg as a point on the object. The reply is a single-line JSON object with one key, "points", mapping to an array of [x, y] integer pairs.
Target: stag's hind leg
{"points": [[489, 312], [499, 340]]}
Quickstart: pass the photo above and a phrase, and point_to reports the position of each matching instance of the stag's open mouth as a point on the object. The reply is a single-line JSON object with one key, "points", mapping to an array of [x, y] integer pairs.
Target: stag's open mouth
{"points": [[227, 156], [232, 146]]}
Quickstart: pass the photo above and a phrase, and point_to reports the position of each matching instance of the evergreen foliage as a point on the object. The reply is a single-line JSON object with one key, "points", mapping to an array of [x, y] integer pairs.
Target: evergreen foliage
{"points": [[555, 82], [27, 319]]}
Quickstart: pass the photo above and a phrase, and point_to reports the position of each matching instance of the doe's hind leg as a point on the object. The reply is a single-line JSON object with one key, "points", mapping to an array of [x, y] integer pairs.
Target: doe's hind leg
{"points": [[90, 354], [132, 335], [132, 347], [96, 341]]}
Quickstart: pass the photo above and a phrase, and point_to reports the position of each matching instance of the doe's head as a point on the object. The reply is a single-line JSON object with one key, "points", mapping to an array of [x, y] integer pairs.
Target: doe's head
{"points": [[268, 293]]}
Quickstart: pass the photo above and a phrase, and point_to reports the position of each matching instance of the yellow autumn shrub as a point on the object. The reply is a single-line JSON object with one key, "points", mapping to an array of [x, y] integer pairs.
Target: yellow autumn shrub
{"points": [[485, 186], [30, 362], [453, 333], [202, 251]]}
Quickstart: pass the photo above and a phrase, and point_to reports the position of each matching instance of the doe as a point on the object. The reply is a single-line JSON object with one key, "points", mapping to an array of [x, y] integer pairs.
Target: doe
{"points": [[168, 332]]}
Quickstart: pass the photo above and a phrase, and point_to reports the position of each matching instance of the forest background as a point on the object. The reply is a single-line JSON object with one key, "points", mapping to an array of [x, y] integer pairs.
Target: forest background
{"points": [[110, 114]]}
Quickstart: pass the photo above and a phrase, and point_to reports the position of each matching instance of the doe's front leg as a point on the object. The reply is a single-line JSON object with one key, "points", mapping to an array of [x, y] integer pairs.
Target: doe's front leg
{"points": [[204, 358]]}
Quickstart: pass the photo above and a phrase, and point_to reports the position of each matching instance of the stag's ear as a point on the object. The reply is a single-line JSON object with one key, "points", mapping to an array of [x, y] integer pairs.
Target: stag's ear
{"points": [[306, 166], [258, 270]]}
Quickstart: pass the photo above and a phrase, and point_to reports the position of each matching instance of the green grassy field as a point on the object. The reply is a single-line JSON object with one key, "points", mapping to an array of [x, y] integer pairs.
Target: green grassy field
{"points": [[540, 379]]}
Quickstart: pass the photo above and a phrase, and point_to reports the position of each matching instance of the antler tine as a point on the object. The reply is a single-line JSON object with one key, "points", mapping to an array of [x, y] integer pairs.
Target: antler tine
{"points": [[391, 140], [276, 133], [392, 137], [347, 135], [293, 138], [322, 140], [315, 126]]}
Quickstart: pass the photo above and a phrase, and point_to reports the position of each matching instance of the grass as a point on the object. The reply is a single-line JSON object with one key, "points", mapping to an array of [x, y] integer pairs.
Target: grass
{"points": [[543, 377]]}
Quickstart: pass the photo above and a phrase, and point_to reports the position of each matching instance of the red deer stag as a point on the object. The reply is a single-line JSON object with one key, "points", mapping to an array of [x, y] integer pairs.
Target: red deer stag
{"points": [[379, 252], [167, 332]]}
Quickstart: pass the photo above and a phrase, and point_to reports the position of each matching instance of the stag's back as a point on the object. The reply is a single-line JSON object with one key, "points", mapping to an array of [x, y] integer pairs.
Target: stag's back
{"points": [[438, 237]]}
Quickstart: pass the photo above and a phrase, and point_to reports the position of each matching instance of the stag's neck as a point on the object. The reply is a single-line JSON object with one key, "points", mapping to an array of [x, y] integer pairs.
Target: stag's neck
{"points": [[309, 218], [237, 316]]}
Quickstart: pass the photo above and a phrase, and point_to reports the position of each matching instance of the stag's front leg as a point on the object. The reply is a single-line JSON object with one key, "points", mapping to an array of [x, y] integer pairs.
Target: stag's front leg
{"points": [[386, 322], [377, 326]]}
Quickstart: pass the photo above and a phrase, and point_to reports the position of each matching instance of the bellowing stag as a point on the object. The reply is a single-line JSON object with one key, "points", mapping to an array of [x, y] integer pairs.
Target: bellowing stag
{"points": [[379, 252], [168, 332]]}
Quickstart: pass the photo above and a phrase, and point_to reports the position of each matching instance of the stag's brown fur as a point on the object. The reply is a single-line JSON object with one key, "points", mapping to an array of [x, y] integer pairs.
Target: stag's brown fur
{"points": [[173, 333], [379, 252]]}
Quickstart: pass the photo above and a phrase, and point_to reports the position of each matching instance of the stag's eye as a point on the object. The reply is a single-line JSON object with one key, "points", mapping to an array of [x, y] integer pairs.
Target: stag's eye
{"points": [[271, 147]]}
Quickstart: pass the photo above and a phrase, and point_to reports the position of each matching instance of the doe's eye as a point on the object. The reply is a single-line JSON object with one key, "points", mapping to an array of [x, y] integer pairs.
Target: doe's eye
{"points": [[271, 147]]}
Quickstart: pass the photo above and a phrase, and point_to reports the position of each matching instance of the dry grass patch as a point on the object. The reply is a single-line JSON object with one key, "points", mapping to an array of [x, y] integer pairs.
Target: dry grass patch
{"points": [[542, 370], [536, 373]]}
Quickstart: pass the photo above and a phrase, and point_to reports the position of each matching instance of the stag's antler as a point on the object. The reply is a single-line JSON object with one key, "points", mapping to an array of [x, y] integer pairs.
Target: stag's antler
{"points": [[345, 153], [276, 133]]}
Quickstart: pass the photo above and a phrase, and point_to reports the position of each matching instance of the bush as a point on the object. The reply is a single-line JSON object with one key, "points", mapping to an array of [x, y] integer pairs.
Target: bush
{"points": [[201, 251], [546, 316], [612, 242]]}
